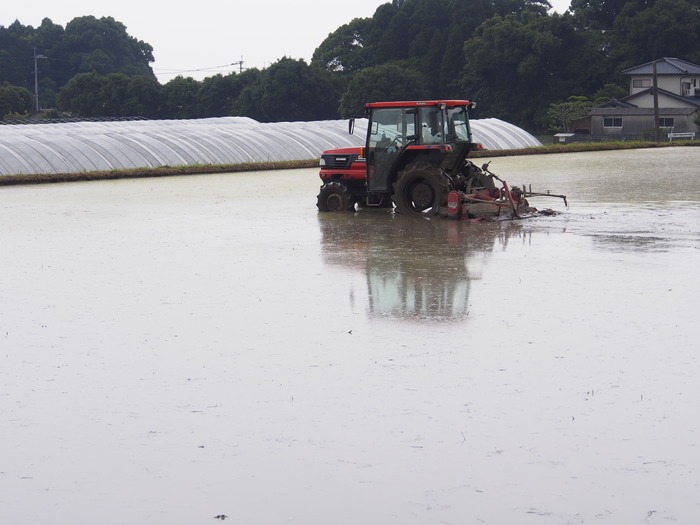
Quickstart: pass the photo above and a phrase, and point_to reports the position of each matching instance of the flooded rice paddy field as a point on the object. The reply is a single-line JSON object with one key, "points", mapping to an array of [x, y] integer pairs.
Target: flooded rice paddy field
{"points": [[178, 350]]}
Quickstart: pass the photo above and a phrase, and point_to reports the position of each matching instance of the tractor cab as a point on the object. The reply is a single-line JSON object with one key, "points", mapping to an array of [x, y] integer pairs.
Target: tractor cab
{"points": [[402, 133]]}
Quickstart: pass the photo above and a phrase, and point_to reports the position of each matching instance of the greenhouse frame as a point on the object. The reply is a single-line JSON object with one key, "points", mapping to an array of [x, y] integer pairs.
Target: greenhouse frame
{"points": [[89, 146]]}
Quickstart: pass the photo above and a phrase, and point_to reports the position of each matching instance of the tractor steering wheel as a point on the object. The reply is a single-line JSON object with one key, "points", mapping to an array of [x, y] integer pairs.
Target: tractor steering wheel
{"points": [[396, 143]]}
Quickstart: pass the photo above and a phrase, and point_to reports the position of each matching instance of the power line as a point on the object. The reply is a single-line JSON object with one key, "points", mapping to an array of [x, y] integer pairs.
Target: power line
{"points": [[238, 63]]}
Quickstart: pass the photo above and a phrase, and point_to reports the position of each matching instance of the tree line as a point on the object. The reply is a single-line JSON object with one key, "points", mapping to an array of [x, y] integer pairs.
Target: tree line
{"points": [[517, 59]]}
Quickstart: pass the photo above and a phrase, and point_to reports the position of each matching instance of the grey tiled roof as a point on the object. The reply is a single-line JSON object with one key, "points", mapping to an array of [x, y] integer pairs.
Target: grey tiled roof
{"points": [[616, 103], [665, 66], [627, 103], [688, 100]]}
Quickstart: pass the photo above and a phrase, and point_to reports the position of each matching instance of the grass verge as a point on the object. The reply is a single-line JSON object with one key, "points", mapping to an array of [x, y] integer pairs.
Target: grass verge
{"points": [[575, 147], [163, 171]]}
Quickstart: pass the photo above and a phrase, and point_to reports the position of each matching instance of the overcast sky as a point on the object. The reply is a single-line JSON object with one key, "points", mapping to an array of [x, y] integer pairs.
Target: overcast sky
{"points": [[208, 36]]}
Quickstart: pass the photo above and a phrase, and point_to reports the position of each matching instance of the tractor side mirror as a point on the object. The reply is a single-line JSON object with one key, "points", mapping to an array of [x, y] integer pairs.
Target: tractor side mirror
{"points": [[351, 126]]}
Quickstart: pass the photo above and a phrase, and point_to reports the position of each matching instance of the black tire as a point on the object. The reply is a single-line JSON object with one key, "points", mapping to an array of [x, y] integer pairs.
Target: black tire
{"points": [[335, 196], [420, 188]]}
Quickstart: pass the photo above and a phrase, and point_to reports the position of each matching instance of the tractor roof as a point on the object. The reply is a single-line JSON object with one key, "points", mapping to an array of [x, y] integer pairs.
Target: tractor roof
{"points": [[416, 103]]}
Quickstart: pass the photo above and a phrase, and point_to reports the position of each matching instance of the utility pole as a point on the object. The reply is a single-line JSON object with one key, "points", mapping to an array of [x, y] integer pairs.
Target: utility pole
{"points": [[239, 64], [656, 105], [36, 79]]}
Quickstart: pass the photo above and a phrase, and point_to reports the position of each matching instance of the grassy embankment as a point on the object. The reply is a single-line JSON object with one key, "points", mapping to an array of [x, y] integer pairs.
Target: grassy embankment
{"points": [[168, 171]]}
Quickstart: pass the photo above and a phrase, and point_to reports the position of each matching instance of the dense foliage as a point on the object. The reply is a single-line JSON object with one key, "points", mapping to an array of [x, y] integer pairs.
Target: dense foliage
{"points": [[520, 61], [86, 45]]}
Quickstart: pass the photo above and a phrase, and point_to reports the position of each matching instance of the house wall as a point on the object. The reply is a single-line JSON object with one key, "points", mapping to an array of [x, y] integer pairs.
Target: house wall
{"points": [[647, 101], [642, 125], [674, 84], [631, 125]]}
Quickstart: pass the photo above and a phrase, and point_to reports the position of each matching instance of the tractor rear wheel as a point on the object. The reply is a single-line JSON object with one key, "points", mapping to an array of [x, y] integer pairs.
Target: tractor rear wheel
{"points": [[335, 196], [420, 188]]}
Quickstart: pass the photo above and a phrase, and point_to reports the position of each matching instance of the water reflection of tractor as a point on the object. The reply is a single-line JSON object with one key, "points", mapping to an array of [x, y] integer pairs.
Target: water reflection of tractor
{"points": [[414, 267], [415, 158]]}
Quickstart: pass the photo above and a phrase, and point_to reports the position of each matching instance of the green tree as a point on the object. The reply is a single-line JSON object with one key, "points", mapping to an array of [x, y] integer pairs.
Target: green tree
{"points": [[344, 49], [16, 62], [452, 63], [385, 83], [597, 14], [141, 98], [291, 90], [664, 28], [113, 95], [216, 94], [103, 46], [87, 45], [607, 93], [430, 33], [515, 66], [428, 21], [82, 95], [15, 101], [501, 71], [47, 39], [376, 30], [243, 91], [180, 98], [562, 114], [518, 7], [392, 43]]}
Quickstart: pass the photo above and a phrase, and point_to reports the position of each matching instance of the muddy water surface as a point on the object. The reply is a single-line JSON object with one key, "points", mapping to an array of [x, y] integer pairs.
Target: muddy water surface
{"points": [[179, 349]]}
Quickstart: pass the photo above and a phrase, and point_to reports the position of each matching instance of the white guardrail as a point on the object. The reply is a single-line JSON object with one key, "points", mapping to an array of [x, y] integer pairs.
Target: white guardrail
{"points": [[686, 135]]}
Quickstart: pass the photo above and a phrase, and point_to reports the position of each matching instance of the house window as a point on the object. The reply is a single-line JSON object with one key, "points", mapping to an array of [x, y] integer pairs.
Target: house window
{"points": [[665, 122], [612, 122], [641, 83]]}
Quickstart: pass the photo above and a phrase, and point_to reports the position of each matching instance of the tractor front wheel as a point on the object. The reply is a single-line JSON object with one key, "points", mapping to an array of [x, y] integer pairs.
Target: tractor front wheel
{"points": [[335, 196], [420, 189]]}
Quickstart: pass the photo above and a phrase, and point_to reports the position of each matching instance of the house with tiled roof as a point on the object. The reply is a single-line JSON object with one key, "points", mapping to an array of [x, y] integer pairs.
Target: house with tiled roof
{"points": [[677, 101]]}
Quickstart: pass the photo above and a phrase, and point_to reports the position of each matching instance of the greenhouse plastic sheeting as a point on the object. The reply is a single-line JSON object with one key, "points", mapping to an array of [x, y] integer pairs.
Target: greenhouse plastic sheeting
{"points": [[121, 145]]}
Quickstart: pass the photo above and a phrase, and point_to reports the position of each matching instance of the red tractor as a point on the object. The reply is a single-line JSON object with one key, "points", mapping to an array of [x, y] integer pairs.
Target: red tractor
{"points": [[415, 158]]}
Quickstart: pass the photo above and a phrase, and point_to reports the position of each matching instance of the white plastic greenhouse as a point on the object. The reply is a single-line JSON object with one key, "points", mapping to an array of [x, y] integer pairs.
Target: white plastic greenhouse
{"points": [[117, 145]]}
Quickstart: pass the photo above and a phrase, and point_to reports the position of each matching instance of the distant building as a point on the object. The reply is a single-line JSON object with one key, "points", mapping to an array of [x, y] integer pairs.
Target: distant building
{"points": [[631, 117]]}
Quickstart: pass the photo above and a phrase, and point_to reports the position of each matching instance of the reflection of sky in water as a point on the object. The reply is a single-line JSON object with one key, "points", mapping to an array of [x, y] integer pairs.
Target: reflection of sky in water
{"points": [[177, 349]]}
